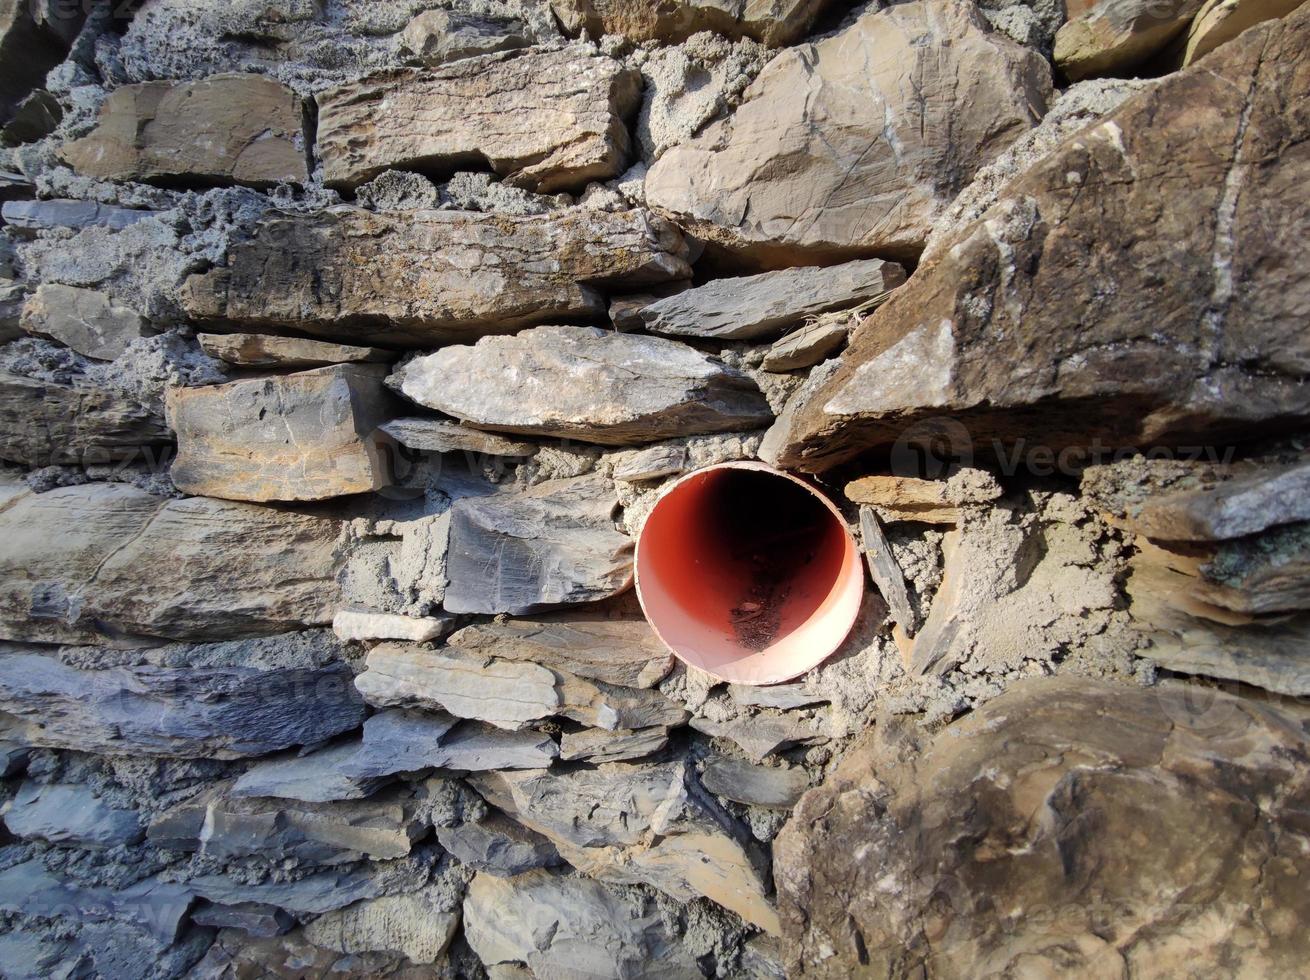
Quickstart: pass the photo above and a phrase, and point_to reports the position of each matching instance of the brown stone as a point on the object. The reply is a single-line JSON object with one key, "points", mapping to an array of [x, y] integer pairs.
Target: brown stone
{"points": [[1220, 21], [854, 144], [1106, 37], [776, 23], [225, 129], [431, 277], [1180, 211], [545, 120], [262, 350], [1111, 830]]}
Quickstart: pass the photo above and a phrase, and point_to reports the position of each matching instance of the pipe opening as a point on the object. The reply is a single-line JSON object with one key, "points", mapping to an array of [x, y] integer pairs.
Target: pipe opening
{"points": [[748, 574]]}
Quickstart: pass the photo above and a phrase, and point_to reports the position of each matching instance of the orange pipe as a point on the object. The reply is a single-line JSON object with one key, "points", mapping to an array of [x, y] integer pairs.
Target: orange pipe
{"points": [[748, 573]]}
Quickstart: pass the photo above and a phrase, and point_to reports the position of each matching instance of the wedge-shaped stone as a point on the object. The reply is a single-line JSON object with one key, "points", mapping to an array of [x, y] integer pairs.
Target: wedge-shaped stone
{"points": [[398, 741], [161, 705], [1107, 37], [304, 436], [1220, 21], [226, 129], [69, 813], [760, 735], [763, 306], [638, 824], [445, 436], [775, 22], [854, 144], [745, 782], [545, 120], [552, 545], [263, 350], [498, 846], [86, 320], [637, 389], [981, 333], [336, 273], [316, 777], [1250, 502], [808, 346], [552, 924], [107, 562]]}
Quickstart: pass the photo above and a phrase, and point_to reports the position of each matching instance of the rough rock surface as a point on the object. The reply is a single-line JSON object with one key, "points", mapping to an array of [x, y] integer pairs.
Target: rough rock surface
{"points": [[259, 350], [233, 128], [1104, 809], [304, 436], [332, 274], [832, 154], [435, 37], [445, 436], [29, 217], [70, 814], [107, 561], [86, 320], [1114, 36], [1000, 293], [777, 23], [498, 846], [637, 389], [1220, 21], [416, 925], [545, 120]]}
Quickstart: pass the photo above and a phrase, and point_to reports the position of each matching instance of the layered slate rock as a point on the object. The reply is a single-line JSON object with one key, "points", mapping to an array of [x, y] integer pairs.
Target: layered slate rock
{"points": [[1029, 322], [153, 906], [1114, 36], [303, 436], [107, 562], [1077, 797], [638, 389], [498, 846], [546, 120], [763, 306], [202, 702], [262, 350], [853, 145], [29, 217], [69, 813], [86, 320], [554, 544], [446, 436], [777, 23], [551, 924], [226, 129], [630, 824], [430, 277]]}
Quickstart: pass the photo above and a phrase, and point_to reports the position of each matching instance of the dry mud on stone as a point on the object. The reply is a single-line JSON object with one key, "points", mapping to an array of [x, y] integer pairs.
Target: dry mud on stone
{"points": [[1106, 37], [550, 545], [64, 813], [852, 145], [228, 129], [678, 456], [637, 389], [629, 824], [762, 306], [1150, 796], [312, 895], [1204, 260], [304, 436], [906, 498], [183, 701], [259, 351], [86, 320], [445, 436], [776, 23], [430, 277], [549, 924], [546, 120], [107, 562]]}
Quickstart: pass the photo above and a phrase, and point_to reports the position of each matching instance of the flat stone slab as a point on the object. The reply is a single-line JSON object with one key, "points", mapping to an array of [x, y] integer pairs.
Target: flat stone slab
{"points": [[29, 217], [445, 436], [86, 320], [265, 350], [744, 782]]}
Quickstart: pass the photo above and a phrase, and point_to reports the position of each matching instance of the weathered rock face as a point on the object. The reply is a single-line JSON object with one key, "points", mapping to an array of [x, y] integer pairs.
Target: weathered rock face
{"points": [[850, 146], [260, 350], [1219, 21], [70, 814], [1114, 36], [638, 389], [417, 925], [445, 436], [545, 120], [86, 320], [498, 846], [465, 274], [777, 23], [435, 37], [762, 306], [176, 705], [106, 561], [1209, 270], [34, 37], [228, 129], [29, 217], [552, 545], [1082, 797], [304, 436]]}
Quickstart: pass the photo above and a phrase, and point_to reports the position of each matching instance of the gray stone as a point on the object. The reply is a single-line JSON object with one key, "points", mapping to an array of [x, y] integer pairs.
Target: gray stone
{"points": [[64, 813], [86, 320], [304, 436], [178, 710], [366, 625], [630, 823], [435, 37], [760, 735], [30, 217], [150, 905], [498, 846], [808, 346], [763, 306], [625, 310], [551, 545], [886, 572], [783, 696], [744, 782], [108, 562], [546, 120], [612, 708], [597, 746], [639, 389], [262, 350], [13, 758], [312, 895], [398, 741], [419, 925], [678, 456], [318, 777], [1246, 504], [554, 926], [444, 436], [251, 918], [332, 273]]}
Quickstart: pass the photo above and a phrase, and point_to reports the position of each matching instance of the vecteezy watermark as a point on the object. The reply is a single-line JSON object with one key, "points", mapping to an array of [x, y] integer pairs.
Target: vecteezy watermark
{"points": [[938, 448]]}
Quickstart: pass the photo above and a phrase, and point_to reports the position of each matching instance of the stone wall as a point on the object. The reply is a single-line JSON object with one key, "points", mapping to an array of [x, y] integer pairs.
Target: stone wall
{"points": [[345, 346]]}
